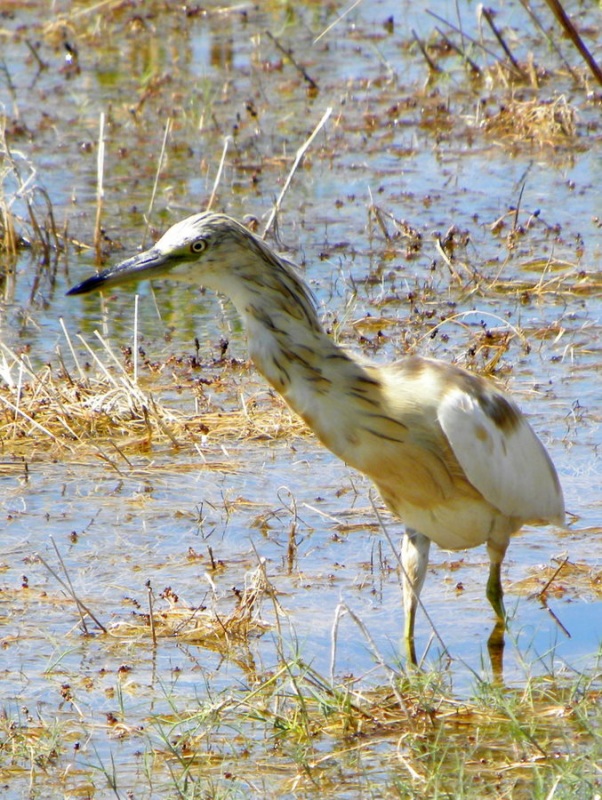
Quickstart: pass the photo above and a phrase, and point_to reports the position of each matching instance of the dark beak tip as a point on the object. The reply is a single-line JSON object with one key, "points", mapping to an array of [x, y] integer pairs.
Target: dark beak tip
{"points": [[89, 285], [75, 290], [140, 267]]}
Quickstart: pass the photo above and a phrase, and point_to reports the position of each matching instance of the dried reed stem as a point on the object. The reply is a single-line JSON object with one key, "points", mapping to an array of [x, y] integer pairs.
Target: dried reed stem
{"points": [[166, 133], [68, 586], [219, 172], [297, 162], [571, 31], [100, 192]]}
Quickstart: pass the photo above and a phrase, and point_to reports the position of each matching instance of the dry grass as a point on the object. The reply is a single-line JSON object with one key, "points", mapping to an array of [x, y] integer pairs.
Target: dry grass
{"points": [[99, 409], [564, 579], [210, 627], [541, 123], [27, 219]]}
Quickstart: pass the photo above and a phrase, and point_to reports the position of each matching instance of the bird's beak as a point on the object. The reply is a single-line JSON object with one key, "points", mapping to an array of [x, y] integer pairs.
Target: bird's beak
{"points": [[148, 265]]}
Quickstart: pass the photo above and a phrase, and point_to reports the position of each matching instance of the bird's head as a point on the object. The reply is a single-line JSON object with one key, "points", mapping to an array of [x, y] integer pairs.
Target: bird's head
{"points": [[217, 252], [202, 249]]}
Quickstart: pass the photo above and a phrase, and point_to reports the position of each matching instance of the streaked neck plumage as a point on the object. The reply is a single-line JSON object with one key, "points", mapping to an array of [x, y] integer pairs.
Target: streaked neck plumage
{"points": [[286, 340]]}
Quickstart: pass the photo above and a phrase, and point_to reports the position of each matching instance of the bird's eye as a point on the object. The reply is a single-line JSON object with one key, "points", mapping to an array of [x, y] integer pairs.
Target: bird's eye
{"points": [[198, 246]]}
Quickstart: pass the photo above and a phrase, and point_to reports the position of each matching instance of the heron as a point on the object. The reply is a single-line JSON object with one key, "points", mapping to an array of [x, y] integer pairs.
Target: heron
{"points": [[450, 454]]}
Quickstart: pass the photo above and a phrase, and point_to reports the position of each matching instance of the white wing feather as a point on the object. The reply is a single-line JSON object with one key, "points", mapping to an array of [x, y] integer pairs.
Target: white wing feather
{"points": [[510, 467]]}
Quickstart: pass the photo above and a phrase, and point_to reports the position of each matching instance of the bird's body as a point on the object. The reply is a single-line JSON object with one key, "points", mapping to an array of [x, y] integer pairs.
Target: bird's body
{"points": [[450, 454]]}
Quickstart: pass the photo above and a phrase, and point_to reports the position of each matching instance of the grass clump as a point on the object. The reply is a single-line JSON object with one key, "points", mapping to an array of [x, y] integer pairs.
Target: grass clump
{"points": [[541, 123], [99, 409], [293, 731], [541, 741]]}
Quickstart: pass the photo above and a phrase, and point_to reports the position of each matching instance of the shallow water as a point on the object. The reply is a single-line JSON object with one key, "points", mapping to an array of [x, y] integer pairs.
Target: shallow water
{"points": [[416, 149]]}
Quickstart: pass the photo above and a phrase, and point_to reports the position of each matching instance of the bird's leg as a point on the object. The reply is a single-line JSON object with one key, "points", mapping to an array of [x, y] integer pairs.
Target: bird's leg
{"points": [[414, 559], [495, 593]]}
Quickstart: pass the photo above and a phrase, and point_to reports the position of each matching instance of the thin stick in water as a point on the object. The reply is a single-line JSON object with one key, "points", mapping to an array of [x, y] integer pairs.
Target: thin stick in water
{"points": [[489, 19], [151, 617], [68, 586], [431, 64], [298, 159], [219, 173], [337, 20], [100, 192], [166, 133], [72, 349], [301, 69], [571, 31], [135, 346]]}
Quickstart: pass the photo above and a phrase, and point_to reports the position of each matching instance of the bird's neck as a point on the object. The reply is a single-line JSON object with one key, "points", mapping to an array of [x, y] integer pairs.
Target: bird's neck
{"points": [[291, 349], [305, 366]]}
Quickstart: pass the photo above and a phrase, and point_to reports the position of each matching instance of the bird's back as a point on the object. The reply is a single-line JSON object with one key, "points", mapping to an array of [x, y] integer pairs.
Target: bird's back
{"points": [[450, 454]]}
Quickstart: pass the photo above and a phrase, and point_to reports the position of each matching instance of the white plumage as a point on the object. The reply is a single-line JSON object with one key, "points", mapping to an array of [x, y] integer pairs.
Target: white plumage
{"points": [[510, 468]]}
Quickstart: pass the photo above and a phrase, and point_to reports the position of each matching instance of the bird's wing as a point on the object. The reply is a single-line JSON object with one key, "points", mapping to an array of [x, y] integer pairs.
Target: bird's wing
{"points": [[501, 456]]}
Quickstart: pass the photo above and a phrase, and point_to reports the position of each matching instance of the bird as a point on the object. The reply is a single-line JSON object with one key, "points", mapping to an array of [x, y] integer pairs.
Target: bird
{"points": [[451, 455]]}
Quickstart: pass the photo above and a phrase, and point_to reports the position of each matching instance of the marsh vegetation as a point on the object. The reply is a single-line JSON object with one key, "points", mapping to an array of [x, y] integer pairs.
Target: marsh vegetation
{"points": [[197, 600]]}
